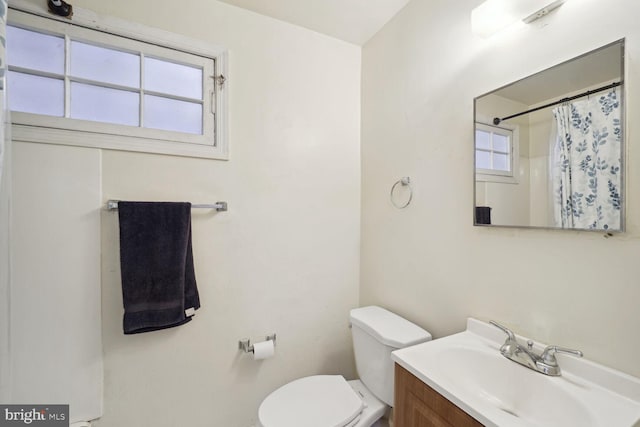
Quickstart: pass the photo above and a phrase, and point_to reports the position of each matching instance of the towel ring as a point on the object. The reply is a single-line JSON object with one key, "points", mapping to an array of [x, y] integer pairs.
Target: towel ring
{"points": [[406, 182]]}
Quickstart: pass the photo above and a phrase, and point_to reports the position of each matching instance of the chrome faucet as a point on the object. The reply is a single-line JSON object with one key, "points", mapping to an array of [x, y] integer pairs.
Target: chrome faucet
{"points": [[545, 362]]}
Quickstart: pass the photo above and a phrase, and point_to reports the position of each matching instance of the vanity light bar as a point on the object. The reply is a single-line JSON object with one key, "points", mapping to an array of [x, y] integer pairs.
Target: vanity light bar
{"points": [[494, 15], [542, 12]]}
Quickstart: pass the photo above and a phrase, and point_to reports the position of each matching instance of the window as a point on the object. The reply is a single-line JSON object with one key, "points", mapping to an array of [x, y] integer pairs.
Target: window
{"points": [[495, 152], [66, 78]]}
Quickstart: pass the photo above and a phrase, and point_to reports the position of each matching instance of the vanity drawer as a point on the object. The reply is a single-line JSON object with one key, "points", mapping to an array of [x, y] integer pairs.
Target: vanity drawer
{"points": [[418, 405]]}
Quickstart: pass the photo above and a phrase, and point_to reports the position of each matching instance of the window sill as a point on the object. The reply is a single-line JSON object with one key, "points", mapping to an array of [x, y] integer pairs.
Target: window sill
{"points": [[502, 179], [45, 135]]}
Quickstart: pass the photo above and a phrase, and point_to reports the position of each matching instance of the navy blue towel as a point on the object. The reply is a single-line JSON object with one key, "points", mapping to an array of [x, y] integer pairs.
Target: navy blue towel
{"points": [[159, 288]]}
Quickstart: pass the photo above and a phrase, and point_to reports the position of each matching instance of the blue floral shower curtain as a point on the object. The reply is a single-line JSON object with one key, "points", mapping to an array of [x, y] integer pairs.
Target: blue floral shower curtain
{"points": [[5, 186], [586, 163]]}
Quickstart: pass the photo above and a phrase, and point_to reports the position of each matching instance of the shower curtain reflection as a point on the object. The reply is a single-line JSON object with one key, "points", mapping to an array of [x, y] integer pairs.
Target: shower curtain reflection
{"points": [[586, 163]]}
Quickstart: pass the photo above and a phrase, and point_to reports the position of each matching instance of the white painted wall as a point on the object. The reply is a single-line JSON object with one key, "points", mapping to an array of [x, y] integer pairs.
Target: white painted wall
{"points": [[5, 263], [427, 262], [284, 259], [56, 347]]}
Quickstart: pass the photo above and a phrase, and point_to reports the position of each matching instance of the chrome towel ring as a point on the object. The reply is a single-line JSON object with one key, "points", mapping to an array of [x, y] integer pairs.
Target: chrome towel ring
{"points": [[405, 182]]}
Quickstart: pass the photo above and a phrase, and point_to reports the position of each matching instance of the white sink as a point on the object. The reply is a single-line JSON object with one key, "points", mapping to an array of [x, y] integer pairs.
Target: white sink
{"points": [[468, 369]]}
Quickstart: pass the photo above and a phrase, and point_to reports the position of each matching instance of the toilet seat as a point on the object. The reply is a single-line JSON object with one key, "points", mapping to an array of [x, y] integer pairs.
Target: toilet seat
{"points": [[316, 401]]}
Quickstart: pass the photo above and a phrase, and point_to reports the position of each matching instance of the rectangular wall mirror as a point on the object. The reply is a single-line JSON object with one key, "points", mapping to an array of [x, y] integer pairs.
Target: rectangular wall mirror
{"points": [[549, 148]]}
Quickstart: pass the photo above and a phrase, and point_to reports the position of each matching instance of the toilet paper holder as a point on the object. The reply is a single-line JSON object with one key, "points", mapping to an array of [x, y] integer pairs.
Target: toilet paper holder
{"points": [[246, 346]]}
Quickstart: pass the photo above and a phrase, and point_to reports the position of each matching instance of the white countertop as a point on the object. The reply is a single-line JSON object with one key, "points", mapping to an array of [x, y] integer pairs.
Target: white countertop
{"points": [[468, 369]]}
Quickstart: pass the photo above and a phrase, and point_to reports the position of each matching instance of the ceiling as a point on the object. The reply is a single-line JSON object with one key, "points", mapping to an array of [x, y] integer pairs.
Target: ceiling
{"points": [[354, 21], [587, 71]]}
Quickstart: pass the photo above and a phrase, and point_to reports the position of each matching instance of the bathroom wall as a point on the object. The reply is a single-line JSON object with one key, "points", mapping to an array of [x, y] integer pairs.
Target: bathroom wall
{"points": [[56, 345], [5, 261], [284, 259], [427, 262]]}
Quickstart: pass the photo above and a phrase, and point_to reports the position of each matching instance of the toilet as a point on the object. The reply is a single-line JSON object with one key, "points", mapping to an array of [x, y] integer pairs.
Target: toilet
{"points": [[331, 400]]}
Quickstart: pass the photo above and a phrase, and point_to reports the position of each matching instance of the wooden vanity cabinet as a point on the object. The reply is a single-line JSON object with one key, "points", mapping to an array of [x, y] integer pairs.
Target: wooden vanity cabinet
{"points": [[418, 405]]}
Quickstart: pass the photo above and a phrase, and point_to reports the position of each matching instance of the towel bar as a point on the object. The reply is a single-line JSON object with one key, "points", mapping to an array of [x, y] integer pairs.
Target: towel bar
{"points": [[218, 206]]}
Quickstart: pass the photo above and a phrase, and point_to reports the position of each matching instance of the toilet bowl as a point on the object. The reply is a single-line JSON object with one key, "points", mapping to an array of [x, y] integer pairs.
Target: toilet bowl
{"points": [[331, 400], [321, 400]]}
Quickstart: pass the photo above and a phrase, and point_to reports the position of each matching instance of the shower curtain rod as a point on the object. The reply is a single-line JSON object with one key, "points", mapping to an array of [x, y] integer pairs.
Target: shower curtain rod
{"points": [[496, 121]]}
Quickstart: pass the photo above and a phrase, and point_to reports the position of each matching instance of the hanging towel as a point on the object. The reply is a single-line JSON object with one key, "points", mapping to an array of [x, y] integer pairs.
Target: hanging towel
{"points": [[158, 280]]}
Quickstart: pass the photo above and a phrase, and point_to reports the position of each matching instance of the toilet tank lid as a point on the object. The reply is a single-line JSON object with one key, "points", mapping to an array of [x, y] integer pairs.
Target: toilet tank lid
{"points": [[387, 327]]}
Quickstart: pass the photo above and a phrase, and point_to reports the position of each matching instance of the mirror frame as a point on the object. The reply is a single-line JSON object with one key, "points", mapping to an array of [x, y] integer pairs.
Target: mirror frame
{"points": [[623, 153]]}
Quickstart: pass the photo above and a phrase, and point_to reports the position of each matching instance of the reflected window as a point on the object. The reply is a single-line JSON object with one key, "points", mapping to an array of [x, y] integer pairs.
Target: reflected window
{"points": [[494, 150]]}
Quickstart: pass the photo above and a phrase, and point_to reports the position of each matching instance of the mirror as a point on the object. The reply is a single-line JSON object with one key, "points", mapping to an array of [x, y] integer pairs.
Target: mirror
{"points": [[549, 148]]}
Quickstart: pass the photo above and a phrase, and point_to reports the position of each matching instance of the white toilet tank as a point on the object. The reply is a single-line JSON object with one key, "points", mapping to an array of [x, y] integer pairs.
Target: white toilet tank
{"points": [[376, 333]]}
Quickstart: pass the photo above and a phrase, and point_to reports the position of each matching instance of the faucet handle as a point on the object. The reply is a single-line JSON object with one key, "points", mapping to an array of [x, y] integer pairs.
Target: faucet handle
{"points": [[548, 356], [510, 334], [510, 346]]}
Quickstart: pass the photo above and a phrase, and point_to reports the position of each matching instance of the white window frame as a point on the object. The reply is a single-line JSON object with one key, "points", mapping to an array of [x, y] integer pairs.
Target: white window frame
{"points": [[122, 35], [493, 175]]}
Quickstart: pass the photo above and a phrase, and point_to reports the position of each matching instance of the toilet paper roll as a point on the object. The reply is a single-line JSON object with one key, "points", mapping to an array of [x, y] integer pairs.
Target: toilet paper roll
{"points": [[263, 350]]}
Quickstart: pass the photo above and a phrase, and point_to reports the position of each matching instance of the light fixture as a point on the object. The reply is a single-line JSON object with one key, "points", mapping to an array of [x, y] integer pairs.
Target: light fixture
{"points": [[495, 15]]}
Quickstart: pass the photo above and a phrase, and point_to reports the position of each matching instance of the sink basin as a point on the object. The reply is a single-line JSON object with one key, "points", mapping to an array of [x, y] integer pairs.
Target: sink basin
{"points": [[468, 369], [510, 388]]}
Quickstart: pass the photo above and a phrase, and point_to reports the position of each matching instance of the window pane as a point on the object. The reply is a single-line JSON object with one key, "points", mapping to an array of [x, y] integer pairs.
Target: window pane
{"points": [[172, 79], [482, 139], [500, 143], [169, 114], [483, 160], [100, 104], [35, 51], [501, 162], [34, 94], [105, 65]]}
